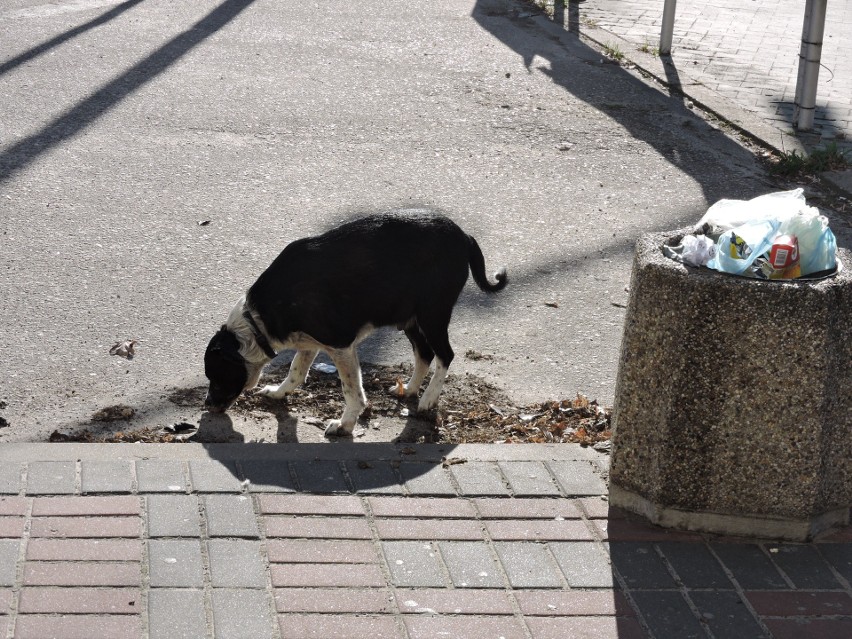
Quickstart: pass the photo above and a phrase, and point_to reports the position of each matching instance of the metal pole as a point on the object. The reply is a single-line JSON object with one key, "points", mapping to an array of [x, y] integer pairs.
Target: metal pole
{"points": [[668, 27], [809, 59]]}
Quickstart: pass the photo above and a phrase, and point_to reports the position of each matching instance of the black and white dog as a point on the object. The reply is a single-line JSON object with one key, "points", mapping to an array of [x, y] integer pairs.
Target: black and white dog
{"points": [[403, 269]]}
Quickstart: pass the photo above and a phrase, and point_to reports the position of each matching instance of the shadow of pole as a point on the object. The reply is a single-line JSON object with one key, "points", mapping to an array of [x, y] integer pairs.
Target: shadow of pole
{"points": [[46, 46], [25, 152], [640, 109]]}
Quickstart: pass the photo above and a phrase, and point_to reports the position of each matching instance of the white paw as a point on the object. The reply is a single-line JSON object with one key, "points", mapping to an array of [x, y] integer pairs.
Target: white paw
{"points": [[275, 392], [427, 403], [336, 428]]}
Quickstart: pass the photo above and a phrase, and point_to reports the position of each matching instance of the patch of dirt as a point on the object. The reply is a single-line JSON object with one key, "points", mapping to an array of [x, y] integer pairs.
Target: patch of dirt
{"points": [[116, 413], [471, 410]]}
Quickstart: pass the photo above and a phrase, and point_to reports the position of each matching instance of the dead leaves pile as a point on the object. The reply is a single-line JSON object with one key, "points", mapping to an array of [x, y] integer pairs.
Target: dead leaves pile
{"points": [[579, 420]]}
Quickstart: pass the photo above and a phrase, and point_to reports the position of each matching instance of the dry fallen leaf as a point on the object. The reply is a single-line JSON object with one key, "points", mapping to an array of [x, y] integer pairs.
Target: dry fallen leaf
{"points": [[126, 349], [400, 387], [452, 461]]}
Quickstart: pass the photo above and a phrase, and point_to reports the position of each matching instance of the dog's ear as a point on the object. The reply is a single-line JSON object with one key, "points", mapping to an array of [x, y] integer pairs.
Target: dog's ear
{"points": [[225, 346]]}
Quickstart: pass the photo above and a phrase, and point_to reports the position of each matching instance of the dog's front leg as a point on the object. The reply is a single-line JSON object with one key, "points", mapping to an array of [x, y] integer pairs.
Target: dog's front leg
{"points": [[349, 369], [299, 368]]}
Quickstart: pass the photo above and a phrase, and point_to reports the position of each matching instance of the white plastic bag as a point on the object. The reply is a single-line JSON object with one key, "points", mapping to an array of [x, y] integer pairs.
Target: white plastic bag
{"points": [[817, 245], [760, 220], [758, 237], [726, 215]]}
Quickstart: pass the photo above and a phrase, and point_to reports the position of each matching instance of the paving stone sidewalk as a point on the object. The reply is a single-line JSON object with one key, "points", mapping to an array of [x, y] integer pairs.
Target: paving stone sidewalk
{"points": [[747, 52], [345, 540]]}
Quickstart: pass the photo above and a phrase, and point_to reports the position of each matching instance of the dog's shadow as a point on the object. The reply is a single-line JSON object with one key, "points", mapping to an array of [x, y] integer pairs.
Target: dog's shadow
{"points": [[217, 427]]}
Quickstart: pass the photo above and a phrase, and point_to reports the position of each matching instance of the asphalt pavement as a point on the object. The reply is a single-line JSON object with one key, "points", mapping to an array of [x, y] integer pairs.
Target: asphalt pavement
{"points": [[157, 156]]}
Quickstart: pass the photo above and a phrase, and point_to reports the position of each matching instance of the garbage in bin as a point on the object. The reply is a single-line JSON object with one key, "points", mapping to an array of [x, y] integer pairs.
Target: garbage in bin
{"points": [[695, 250], [775, 236]]}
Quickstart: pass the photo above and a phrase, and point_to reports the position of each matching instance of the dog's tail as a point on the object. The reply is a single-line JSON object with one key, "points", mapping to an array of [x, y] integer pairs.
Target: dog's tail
{"points": [[477, 268]]}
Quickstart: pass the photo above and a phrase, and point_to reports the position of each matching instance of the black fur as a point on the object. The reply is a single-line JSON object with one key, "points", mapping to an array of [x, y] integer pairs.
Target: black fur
{"points": [[403, 269]]}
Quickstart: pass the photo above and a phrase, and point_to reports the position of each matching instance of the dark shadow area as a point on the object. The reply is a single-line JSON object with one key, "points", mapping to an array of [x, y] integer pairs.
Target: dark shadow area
{"points": [[644, 112], [217, 427], [684, 584], [339, 467], [46, 46], [26, 151]]}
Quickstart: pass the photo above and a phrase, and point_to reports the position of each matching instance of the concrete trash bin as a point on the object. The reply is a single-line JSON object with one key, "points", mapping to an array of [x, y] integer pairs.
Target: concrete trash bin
{"points": [[733, 400]]}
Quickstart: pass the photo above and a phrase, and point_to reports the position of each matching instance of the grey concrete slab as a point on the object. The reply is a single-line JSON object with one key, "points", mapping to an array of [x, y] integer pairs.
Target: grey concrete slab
{"points": [[471, 565], [529, 479], [639, 565], [320, 477], [51, 478], [236, 563], [668, 614], [176, 614], [243, 614], [213, 476], [584, 564], [374, 478], [173, 516], [840, 558], [230, 516], [426, 479], [750, 566], [694, 565], [175, 563], [529, 565], [479, 479], [804, 566], [726, 616], [9, 549], [106, 476], [161, 476], [577, 478], [10, 478], [414, 564], [267, 475]]}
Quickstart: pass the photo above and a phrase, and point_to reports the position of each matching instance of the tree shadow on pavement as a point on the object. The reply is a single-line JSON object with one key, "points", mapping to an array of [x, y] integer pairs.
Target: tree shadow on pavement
{"points": [[82, 115]]}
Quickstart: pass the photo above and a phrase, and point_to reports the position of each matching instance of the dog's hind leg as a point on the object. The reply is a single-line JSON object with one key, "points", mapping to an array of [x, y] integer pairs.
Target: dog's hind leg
{"points": [[349, 369], [299, 368], [435, 332], [423, 356]]}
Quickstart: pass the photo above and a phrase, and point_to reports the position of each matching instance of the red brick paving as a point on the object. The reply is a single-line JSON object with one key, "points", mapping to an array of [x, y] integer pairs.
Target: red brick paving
{"points": [[83, 571], [454, 602], [334, 600], [11, 527], [311, 575], [68, 573], [108, 601], [461, 529], [84, 549], [809, 628], [317, 527], [317, 551], [337, 627], [80, 527], [773, 603], [78, 627], [521, 508]]}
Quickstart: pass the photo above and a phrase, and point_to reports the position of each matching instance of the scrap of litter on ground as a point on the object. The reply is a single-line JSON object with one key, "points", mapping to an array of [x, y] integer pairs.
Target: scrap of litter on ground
{"points": [[471, 411]]}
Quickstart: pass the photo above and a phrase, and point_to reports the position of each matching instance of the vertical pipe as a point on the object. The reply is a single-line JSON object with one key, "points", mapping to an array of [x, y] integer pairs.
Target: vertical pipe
{"points": [[668, 27], [809, 65]]}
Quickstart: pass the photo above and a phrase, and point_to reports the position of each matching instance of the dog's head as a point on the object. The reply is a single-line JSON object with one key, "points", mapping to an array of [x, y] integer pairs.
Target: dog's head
{"points": [[228, 371]]}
